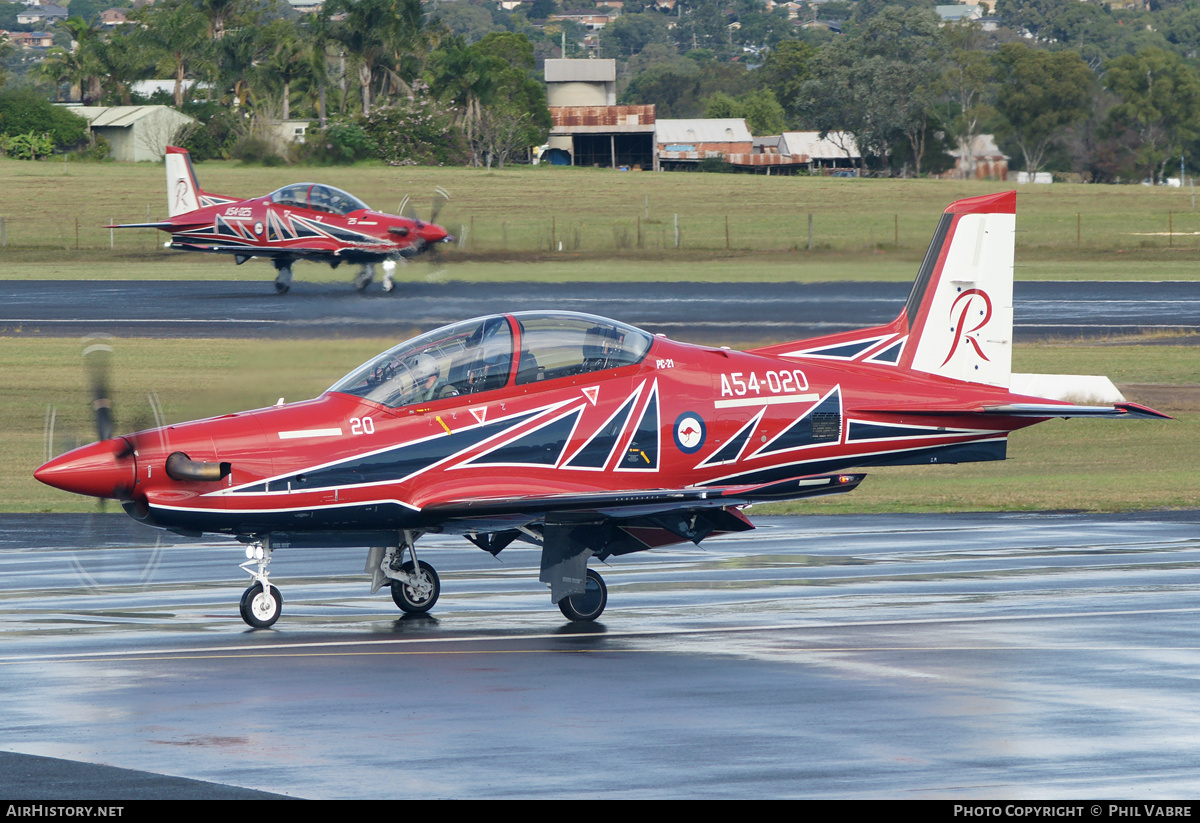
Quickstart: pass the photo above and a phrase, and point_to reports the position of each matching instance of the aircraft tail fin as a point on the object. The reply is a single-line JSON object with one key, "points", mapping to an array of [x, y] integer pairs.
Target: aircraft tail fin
{"points": [[958, 319], [958, 323], [183, 192], [959, 315]]}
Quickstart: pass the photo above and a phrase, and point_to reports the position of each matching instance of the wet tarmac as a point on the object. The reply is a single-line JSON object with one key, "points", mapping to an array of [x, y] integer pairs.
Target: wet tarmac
{"points": [[1049, 655], [728, 313]]}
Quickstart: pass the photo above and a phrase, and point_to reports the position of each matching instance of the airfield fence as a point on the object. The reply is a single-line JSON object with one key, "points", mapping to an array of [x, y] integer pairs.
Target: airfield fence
{"points": [[829, 230]]}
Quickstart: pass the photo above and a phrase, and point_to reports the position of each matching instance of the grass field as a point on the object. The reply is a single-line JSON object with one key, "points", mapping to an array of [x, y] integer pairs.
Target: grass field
{"points": [[513, 221], [564, 223]]}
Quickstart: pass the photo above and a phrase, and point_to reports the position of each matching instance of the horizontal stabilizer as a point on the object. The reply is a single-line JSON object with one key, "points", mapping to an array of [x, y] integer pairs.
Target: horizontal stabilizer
{"points": [[165, 226], [1041, 411], [1127, 411]]}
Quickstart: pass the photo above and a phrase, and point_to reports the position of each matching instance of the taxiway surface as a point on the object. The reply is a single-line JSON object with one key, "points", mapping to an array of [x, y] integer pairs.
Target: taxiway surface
{"points": [[728, 313], [973, 656]]}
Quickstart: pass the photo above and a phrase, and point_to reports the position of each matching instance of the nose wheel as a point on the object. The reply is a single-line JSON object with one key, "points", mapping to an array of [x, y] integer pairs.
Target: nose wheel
{"points": [[261, 608], [590, 604]]}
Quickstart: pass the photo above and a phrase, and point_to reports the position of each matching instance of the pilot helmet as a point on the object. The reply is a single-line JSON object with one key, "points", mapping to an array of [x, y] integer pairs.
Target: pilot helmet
{"points": [[423, 367]]}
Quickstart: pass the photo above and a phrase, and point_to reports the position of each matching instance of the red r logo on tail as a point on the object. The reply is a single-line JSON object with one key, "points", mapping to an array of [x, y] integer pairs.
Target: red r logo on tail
{"points": [[959, 328]]}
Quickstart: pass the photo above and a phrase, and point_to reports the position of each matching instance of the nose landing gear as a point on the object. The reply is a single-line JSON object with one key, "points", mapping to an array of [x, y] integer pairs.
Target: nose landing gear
{"points": [[262, 603]]}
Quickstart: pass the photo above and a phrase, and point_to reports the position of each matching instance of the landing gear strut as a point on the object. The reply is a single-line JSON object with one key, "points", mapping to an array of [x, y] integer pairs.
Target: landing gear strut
{"points": [[414, 584], [261, 603], [365, 276], [283, 276]]}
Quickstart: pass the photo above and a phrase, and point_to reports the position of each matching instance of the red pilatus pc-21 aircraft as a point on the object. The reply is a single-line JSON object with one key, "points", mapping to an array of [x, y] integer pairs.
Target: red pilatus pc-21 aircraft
{"points": [[303, 221], [591, 438]]}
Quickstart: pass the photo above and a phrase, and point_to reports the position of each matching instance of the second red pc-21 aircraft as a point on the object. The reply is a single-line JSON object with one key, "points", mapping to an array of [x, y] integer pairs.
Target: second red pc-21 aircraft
{"points": [[591, 438], [302, 221]]}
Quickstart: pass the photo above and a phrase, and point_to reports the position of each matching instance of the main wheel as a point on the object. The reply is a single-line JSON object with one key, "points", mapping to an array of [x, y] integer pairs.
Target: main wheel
{"points": [[590, 604], [260, 609], [417, 598]]}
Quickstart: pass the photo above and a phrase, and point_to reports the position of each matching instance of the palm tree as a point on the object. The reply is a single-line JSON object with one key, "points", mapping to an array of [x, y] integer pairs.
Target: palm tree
{"points": [[287, 58], [121, 62], [219, 13], [320, 35], [174, 33], [464, 75], [78, 65], [362, 30]]}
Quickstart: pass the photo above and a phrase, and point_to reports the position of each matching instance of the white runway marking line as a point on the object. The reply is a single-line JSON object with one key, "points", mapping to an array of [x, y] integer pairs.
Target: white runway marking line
{"points": [[300, 648], [135, 320]]}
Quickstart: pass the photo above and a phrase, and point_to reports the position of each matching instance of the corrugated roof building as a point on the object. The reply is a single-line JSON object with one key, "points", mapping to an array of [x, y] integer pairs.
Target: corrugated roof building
{"points": [[135, 132], [581, 82], [684, 143], [589, 128]]}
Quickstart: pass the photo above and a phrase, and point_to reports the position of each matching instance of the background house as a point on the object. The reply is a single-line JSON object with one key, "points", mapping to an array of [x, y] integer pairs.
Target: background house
{"points": [[982, 160]]}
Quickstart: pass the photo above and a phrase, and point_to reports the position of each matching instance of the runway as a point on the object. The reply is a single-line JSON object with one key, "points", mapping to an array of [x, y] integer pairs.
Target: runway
{"points": [[876, 656], [727, 313]]}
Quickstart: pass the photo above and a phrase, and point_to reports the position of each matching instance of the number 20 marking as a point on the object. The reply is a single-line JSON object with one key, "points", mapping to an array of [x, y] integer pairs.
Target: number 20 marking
{"points": [[362, 425]]}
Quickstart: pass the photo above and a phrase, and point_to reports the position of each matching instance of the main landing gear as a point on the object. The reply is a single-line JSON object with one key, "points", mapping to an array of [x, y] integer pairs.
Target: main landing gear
{"points": [[364, 276], [589, 605], [414, 584], [283, 276]]}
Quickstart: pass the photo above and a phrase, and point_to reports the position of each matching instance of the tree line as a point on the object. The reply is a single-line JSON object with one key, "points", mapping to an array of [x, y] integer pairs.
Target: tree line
{"points": [[1062, 84]]}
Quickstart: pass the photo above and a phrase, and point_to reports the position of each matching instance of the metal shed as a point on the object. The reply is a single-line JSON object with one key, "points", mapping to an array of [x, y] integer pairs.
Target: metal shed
{"points": [[135, 132]]}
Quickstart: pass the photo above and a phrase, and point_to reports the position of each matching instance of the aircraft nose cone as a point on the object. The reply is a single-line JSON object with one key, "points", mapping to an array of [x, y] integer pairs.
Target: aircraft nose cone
{"points": [[104, 469], [433, 234]]}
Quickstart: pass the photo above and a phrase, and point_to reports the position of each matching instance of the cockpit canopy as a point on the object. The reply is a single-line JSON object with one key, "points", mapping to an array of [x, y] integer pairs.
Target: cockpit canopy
{"points": [[317, 197], [478, 355]]}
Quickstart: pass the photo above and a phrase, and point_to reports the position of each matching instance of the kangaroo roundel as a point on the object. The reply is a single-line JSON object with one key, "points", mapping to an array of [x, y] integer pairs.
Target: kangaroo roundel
{"points": [[689, 432]]}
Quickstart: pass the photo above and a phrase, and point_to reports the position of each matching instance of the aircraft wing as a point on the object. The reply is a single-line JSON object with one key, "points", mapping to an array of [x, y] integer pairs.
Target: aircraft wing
{"points": [[639, 503], [573, 527], [253, 251], [291, 252]]}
